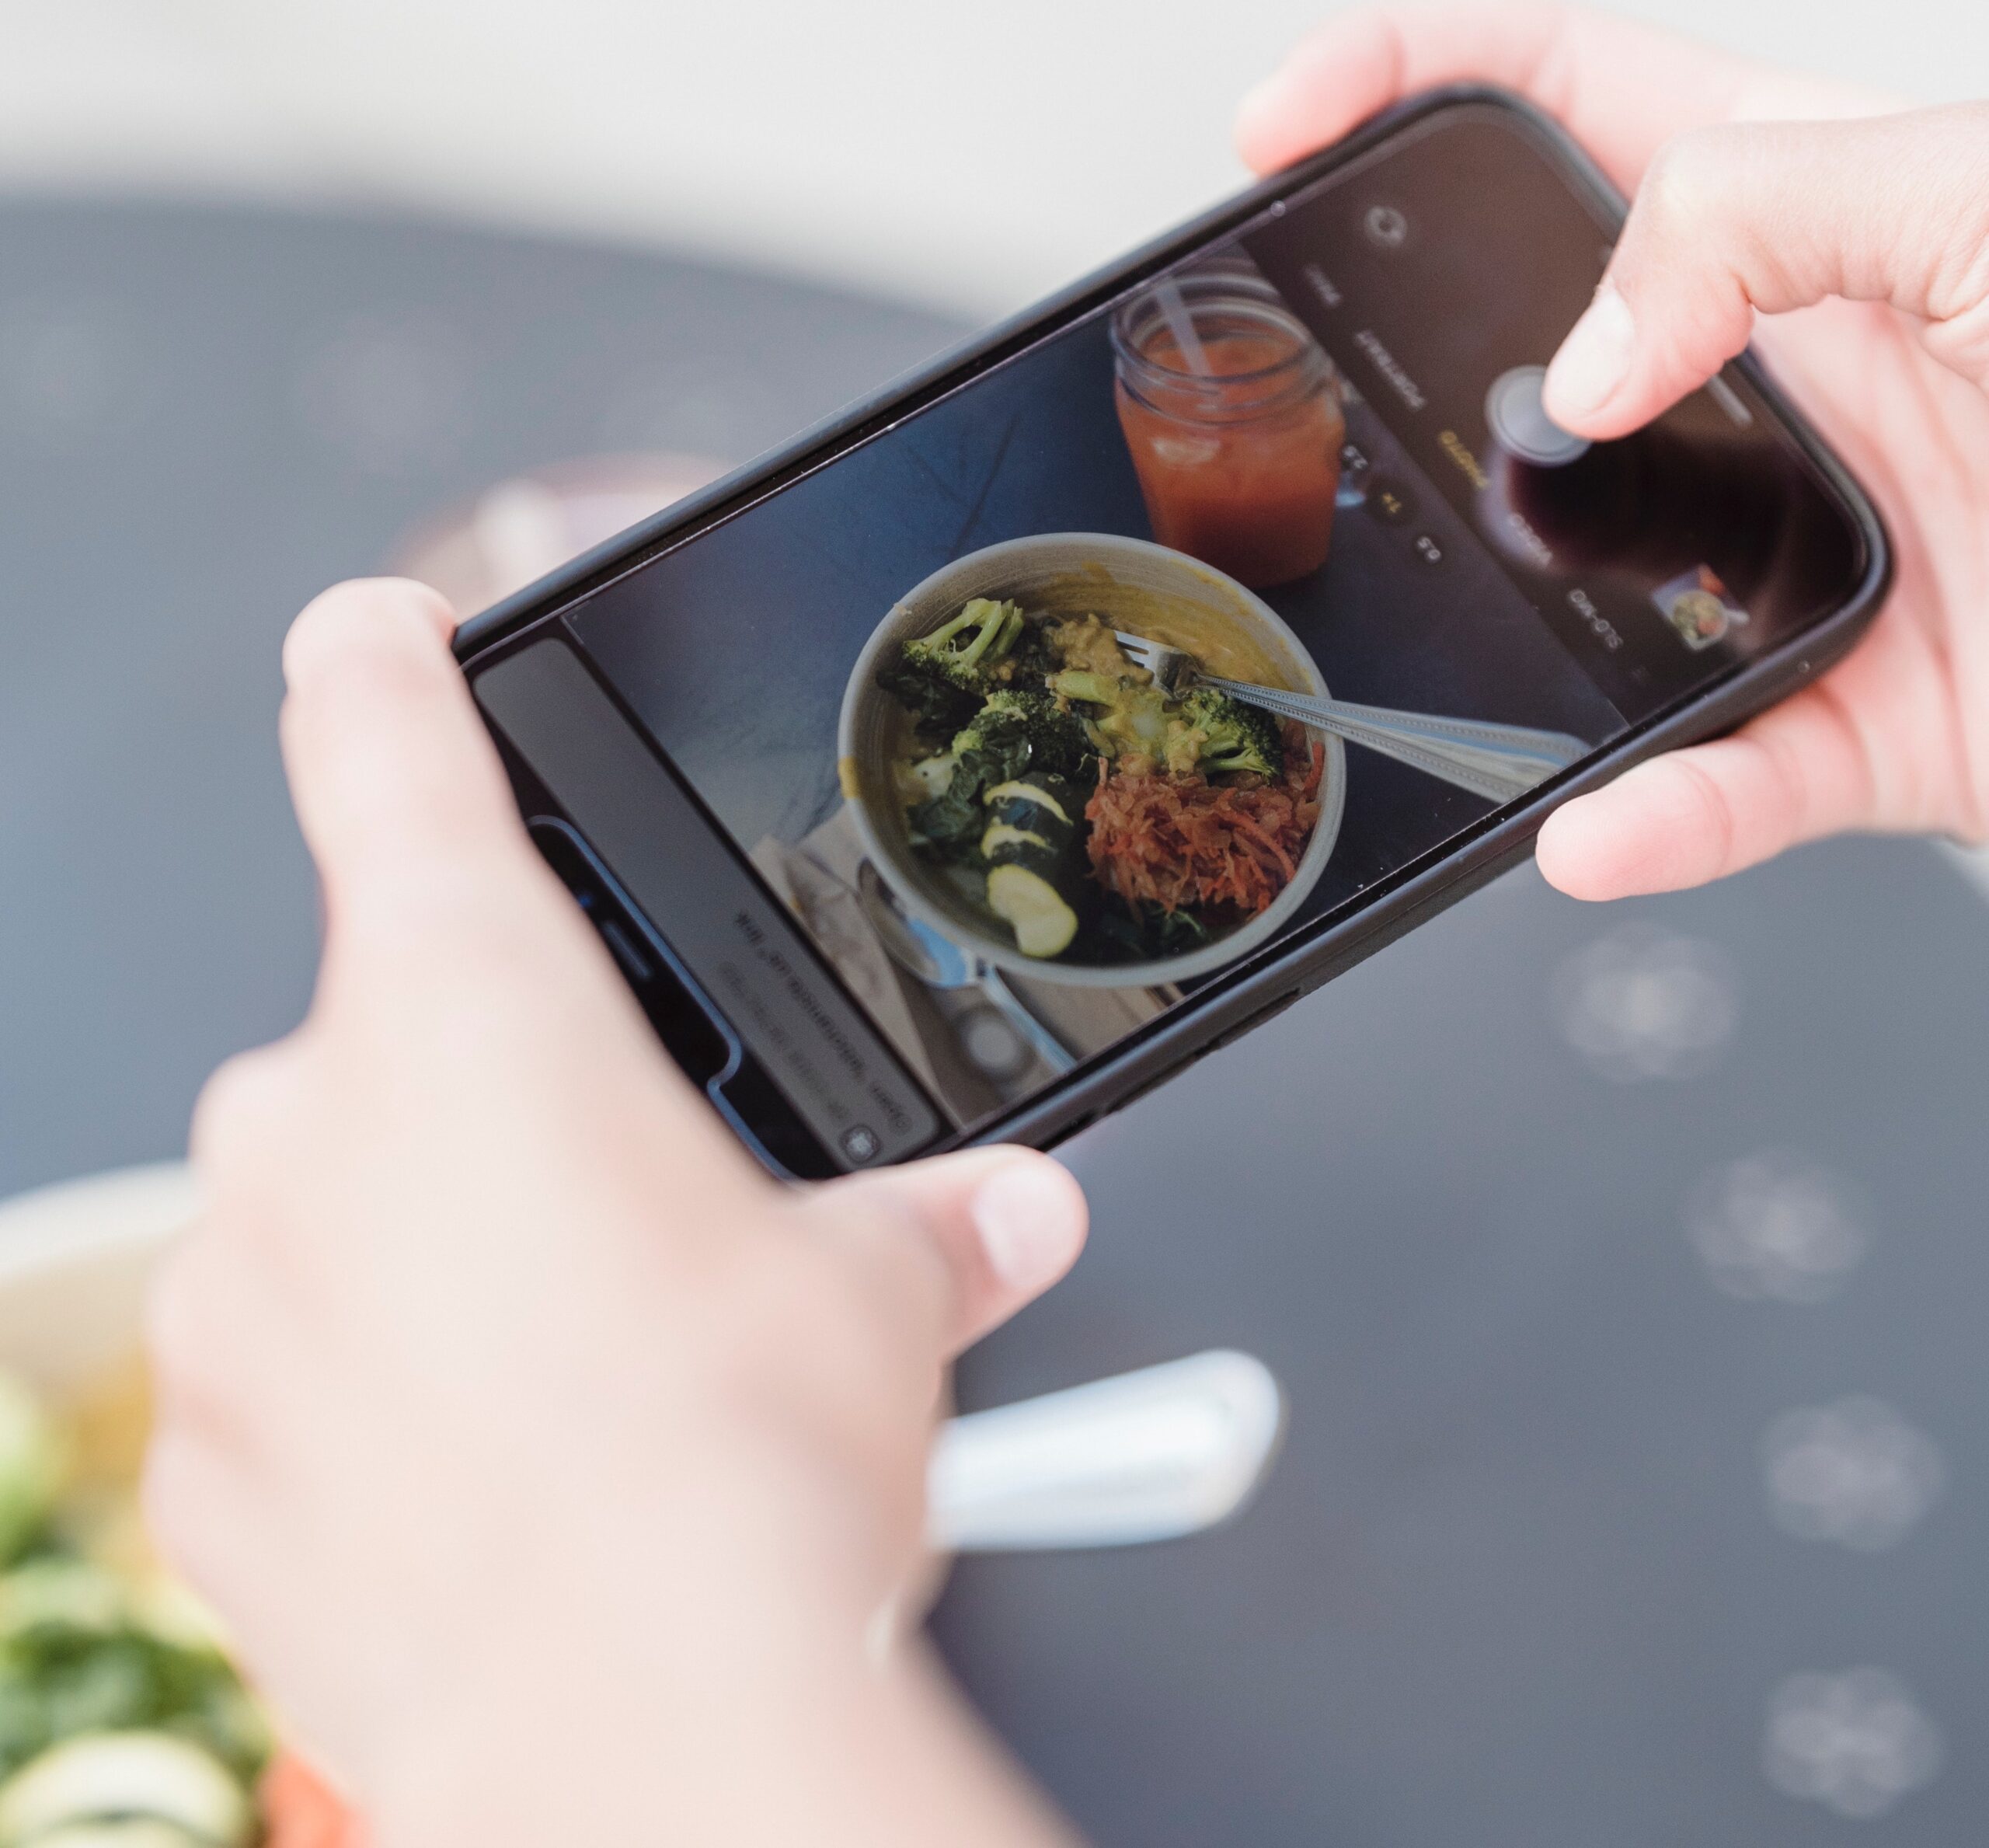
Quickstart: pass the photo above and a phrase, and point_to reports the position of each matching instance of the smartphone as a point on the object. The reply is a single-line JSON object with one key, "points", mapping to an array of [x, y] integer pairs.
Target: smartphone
{"points": [[976, 763]]}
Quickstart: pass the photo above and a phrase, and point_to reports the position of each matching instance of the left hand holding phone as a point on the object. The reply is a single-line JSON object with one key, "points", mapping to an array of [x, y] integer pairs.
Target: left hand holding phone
{"points": [[552, 1464]]}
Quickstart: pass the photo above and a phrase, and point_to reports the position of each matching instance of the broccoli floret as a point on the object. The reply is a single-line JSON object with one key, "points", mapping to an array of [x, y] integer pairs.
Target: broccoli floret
{"points": [[1233, 736], [962, 651], [937, 703], [942, 678], [1057, 742], [1032, 659], [1081, 683], [997, 724]]}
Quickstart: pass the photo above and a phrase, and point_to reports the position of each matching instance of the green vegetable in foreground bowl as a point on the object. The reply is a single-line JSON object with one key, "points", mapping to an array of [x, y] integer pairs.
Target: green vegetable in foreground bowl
{"points": [[122, 1723], [1059, 743], [80, 1652], [1012, 731], [105, 1778], [30, 1466]]}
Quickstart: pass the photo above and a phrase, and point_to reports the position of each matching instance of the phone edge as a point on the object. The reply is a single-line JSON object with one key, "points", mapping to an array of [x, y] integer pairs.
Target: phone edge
{"points": [[1169, 1045]]}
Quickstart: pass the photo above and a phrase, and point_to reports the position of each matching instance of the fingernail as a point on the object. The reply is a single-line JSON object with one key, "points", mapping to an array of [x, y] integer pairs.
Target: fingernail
{"points": [[1594, 359], [1030, 1218]]}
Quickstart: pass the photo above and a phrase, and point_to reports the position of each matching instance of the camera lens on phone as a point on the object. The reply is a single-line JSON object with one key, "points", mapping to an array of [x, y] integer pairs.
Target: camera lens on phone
{"points": [[1386, 227]]}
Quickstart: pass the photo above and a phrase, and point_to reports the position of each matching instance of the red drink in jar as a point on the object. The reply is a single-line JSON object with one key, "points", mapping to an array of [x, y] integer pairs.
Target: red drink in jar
{"points": [[1234, 416]]}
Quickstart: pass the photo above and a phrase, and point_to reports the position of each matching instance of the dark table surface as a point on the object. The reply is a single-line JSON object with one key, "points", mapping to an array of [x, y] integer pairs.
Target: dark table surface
{"points": [[1625, 1273], [1547, 1229], [206, 417]]}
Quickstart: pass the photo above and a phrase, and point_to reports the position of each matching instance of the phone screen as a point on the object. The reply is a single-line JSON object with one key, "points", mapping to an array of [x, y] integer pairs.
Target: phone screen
{"points": [[916, 688]]}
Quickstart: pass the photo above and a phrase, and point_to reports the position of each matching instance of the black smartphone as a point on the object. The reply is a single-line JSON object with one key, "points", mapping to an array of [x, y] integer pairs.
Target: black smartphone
{"points": [[976, 763]]}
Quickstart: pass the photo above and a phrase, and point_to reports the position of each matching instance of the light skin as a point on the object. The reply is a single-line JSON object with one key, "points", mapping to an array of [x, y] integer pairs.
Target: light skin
{"points": [[559, 1473], [1857, 231]]}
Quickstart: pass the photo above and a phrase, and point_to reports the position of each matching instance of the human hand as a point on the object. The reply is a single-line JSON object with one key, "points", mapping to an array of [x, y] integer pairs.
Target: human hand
{"points": [[550, 1463], [1875, 226]]}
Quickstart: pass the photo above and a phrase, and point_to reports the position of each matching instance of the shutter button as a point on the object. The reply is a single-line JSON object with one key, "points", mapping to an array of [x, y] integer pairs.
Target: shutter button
{"points": [[1518, 419]]}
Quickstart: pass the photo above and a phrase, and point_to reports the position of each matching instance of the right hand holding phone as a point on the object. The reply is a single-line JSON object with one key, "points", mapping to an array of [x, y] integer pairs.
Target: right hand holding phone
{"points": [[1755, 190]]}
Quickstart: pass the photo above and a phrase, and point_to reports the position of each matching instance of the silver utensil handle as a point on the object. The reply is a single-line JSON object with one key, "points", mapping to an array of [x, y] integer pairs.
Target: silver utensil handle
{"points": [[1044, 1043], [1558, 749], [1498, 781], [1151, 1455], [1499, 761]]}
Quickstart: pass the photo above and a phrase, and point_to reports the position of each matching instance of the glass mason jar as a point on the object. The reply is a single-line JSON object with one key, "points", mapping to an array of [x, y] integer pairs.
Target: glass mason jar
{"points": [[1235, 418]]}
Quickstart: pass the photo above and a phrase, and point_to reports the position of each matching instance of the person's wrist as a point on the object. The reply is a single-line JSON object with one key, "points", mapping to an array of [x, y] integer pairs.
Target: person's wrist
{"points": [[765, 1752], [645, 1645]]}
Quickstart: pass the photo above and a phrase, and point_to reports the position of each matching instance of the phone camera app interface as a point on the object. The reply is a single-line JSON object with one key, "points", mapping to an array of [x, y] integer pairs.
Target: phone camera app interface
{"points": [[1201, 620]]}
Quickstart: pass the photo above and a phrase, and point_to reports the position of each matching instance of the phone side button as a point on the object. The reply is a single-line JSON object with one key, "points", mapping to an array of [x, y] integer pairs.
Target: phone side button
{"points": [[1229, 1037], [1167, 1076], [1250, 1023]]}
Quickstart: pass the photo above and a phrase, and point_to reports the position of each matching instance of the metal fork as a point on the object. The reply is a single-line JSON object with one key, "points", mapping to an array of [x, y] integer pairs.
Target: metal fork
{"points": [[1498, 761]]}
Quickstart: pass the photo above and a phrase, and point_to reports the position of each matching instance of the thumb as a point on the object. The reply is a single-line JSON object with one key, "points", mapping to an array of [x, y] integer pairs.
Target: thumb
{"points": [[398, 787], [1772, 216], [982, 1233]]}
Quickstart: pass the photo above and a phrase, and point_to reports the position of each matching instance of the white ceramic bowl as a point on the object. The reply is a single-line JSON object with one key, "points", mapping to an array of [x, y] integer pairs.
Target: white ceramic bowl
{"points": [[75, 1262], [1137, 586]]}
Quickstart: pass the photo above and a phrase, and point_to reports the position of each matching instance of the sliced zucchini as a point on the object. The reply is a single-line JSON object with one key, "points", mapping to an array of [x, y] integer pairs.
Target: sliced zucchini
{"points": [[1001, 837], [67, 1594], [1044, 920], [104, 1776], [174, 1614], [120, 1832], [1035, 854], [932, 776], [1033, 792], [1047, 807]]}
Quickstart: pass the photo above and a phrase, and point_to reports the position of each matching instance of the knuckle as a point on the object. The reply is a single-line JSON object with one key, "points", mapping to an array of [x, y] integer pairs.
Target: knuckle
{"points": [[428, 951], [242, 1110], [1682, 184], [180, 1330], [421, 918], [171, 1510]]}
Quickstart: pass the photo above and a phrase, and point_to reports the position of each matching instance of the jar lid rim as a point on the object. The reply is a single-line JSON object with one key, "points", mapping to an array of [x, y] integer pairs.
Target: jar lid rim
{"points": [[1305, 348]]}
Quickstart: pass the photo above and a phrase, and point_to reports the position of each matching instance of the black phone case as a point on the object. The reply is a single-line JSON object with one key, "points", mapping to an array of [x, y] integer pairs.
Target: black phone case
{"points": [[1262, 986]]}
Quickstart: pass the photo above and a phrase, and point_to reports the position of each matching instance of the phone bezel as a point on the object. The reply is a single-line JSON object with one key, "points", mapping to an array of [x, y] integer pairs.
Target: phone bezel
{"points": [[1242, 997]]}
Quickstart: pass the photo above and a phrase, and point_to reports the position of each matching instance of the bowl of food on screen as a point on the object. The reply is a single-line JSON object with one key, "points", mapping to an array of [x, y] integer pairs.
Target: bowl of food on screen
{"points": [[1030, 793]]}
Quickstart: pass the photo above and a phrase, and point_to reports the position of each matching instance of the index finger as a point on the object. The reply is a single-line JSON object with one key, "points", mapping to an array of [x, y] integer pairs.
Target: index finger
{"points": [[1621, 89]]}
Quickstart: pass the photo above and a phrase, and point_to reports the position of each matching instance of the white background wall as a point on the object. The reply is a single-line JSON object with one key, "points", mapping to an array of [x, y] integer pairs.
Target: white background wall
{"points": [[971, 153]]}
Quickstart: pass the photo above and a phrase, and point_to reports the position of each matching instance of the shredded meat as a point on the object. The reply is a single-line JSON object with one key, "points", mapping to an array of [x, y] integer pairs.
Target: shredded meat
{"points": [[1180, 842]]}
